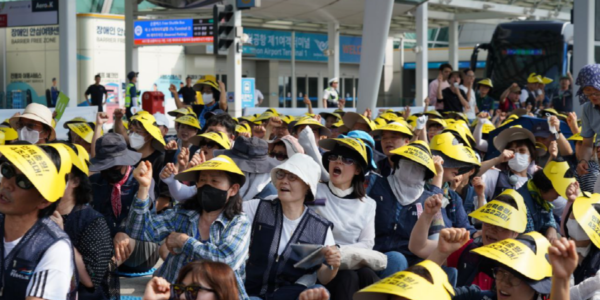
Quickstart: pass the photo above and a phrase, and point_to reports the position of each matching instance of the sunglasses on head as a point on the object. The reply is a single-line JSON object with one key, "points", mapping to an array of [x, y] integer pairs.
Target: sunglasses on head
{"points": [[190, 291], [345, 160], [9, 171], [278, 155]]}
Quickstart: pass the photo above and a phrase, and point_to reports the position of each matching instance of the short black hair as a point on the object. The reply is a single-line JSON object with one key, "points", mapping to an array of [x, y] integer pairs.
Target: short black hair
{"points": [[542, 182], [232, 208], [445, 66], [454, 74], [224, 120], [466, 71], [97, 76], [527, 143]]}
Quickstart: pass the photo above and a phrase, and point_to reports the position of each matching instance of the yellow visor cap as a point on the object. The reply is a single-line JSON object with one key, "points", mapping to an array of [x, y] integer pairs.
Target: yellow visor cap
{"points": [[189, 120], [503, 215], [415, 152], [219, 163], [355, 144], [83, 130], [411, 286], [556, 171], [449, 146], [588, 218], [394, 126], [148, 123], [9, 133], [217, 137], [519, 257], [37, 166]]}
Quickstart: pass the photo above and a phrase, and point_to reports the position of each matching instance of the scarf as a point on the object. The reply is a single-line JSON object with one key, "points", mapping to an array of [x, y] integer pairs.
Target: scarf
{"points": [[115, 196], [537, 196], [339, 192], [407, 185]]}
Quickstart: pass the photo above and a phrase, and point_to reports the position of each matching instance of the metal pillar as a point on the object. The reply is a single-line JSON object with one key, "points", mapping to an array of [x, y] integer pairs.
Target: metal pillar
{"points": [[3, 69], [67, 28], [387, 81], [131, 52], [293, 62], [400, 89], [453, 44], [583, 42], [333, 62], [421, 81], [234, 66], [376, 27]]}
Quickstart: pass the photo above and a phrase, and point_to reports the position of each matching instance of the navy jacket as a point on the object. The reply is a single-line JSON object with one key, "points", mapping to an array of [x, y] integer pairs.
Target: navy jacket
{"points": [[538, 219]]}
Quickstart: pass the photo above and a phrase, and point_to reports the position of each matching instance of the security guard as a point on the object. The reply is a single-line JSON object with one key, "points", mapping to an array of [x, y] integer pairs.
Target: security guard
{"points": [[131, 94], [331, 94]]}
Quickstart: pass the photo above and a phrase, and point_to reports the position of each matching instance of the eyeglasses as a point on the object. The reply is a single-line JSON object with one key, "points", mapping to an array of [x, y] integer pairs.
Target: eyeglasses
{"points": [[280, 156], [345, 160], [210, 145], [502, 275], [280, 174], [9, 171], [191, 291], [592, 95], [30, 126]]}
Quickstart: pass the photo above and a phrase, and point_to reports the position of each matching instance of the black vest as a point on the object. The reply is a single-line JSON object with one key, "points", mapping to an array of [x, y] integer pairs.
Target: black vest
{"points": [[266, 271], [503, 183], [16, 270]]}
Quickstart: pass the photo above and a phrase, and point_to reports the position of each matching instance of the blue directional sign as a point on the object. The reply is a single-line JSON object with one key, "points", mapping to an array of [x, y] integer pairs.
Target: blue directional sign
{"points": [[180, 31]]}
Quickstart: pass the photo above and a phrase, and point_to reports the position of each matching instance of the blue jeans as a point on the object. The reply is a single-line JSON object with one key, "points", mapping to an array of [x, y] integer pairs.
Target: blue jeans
{"points": [[279, 296], [396, 263]]}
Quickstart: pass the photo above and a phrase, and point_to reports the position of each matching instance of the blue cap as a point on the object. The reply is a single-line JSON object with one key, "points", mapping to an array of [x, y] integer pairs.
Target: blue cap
{"points": [[367, 139]]}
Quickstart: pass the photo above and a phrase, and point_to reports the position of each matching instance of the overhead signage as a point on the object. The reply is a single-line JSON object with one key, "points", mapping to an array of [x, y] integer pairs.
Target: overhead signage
{"points": [[276, 44], [28, 13], [168, 32]]}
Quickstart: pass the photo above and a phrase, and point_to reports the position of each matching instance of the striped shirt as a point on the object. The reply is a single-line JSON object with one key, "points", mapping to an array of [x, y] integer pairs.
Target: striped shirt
{"points": [[588, 180], [228, 242]]}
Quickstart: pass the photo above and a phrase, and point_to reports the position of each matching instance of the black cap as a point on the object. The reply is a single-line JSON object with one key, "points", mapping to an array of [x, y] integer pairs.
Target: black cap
{"points": [[542, 130], [132, 75], [111, 150]]}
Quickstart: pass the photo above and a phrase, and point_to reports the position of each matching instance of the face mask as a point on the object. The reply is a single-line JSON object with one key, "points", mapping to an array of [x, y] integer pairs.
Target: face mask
{"points": [[575, 231], [112, 175], [519, 163], [211, 198], [136, 141], [27, 135], [207, 98], [407, 182]]}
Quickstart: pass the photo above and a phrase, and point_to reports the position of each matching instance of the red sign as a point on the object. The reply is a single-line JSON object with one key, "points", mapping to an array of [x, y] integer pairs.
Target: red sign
{"points": [[3, 20], [188, 40]]}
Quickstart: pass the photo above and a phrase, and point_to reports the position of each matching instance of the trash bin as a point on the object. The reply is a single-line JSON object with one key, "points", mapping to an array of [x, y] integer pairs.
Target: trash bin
{"points": [[153, 102]]}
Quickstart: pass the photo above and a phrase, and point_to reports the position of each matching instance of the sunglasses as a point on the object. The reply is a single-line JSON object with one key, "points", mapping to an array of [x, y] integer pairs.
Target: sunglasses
{"points": [[9, 171], [280, 175], [210, 145], [345, 160], [280, 156], [191, 291]]}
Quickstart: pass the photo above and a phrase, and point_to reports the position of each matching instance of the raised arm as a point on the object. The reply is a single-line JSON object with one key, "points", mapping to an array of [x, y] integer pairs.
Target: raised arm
{"points": [[419, 244], [223, 98], [101, 119], [175, 94]]}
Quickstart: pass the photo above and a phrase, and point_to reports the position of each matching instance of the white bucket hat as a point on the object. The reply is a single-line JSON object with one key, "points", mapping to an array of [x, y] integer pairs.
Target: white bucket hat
{"points": [[302, 166], [36, 112]]}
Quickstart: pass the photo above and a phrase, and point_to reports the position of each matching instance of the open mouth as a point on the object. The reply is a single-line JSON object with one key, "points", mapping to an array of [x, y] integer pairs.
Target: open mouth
{"points": [[491, 239], [4, 199], [503, 294], [284, 189], [337, 171]]}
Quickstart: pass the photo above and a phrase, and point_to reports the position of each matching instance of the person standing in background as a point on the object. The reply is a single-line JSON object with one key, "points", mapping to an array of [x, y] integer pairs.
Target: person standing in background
{"points": [[468, 76], [258, 97], [187, 92], [54, 92], [562, 101], [96, 90], [445, 70], [331, 95], [131, 94]]}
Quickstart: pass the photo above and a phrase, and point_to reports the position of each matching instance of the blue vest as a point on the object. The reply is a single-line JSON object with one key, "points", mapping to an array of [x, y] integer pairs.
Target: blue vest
{"points": [[468, 199], [538, 219], [18, 266], [266, 271], [394, 222]]}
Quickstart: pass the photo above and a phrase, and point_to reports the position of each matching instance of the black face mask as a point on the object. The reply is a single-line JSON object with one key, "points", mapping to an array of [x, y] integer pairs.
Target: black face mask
{"points": [[211, 198], [112, 175]]}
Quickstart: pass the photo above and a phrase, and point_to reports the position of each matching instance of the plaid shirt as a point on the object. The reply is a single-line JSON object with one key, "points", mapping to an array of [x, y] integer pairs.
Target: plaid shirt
{"points": [[228, 243]]}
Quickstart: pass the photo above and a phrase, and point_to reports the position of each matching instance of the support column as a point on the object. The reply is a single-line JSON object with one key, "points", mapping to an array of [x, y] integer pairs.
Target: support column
{"points": [[3, 79], [293, 63], [400, 83], [333, 62], [320, 90], [583, 42], [234, 66], [131, 52], [387, 87], [376, 27], [421, 81], [67, 28], [453, 44]]}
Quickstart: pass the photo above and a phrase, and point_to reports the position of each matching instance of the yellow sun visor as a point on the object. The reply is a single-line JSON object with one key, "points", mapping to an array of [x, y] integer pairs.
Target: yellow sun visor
{"points": [[219, 163], [417, 154], [355, 144], [503, 215], [588, 218], [83, 130], [556, 171]]}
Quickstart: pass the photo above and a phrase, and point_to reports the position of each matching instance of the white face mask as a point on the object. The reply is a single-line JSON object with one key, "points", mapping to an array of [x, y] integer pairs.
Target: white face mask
{"points": [[207, 98], [136, 141], [519, 163], [27, 135], [575, 231], [407, 182]]}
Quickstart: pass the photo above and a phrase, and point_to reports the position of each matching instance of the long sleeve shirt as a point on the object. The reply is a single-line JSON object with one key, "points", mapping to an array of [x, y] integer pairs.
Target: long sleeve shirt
{"points": [[228, 242]]}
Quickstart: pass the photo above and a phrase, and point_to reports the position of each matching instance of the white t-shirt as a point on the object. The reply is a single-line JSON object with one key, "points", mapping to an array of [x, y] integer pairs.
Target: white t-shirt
{"points": [[525, 95], [52, 276], [258, 95], [490, 178], [353, 220], [472, 103], [289, 226]]}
